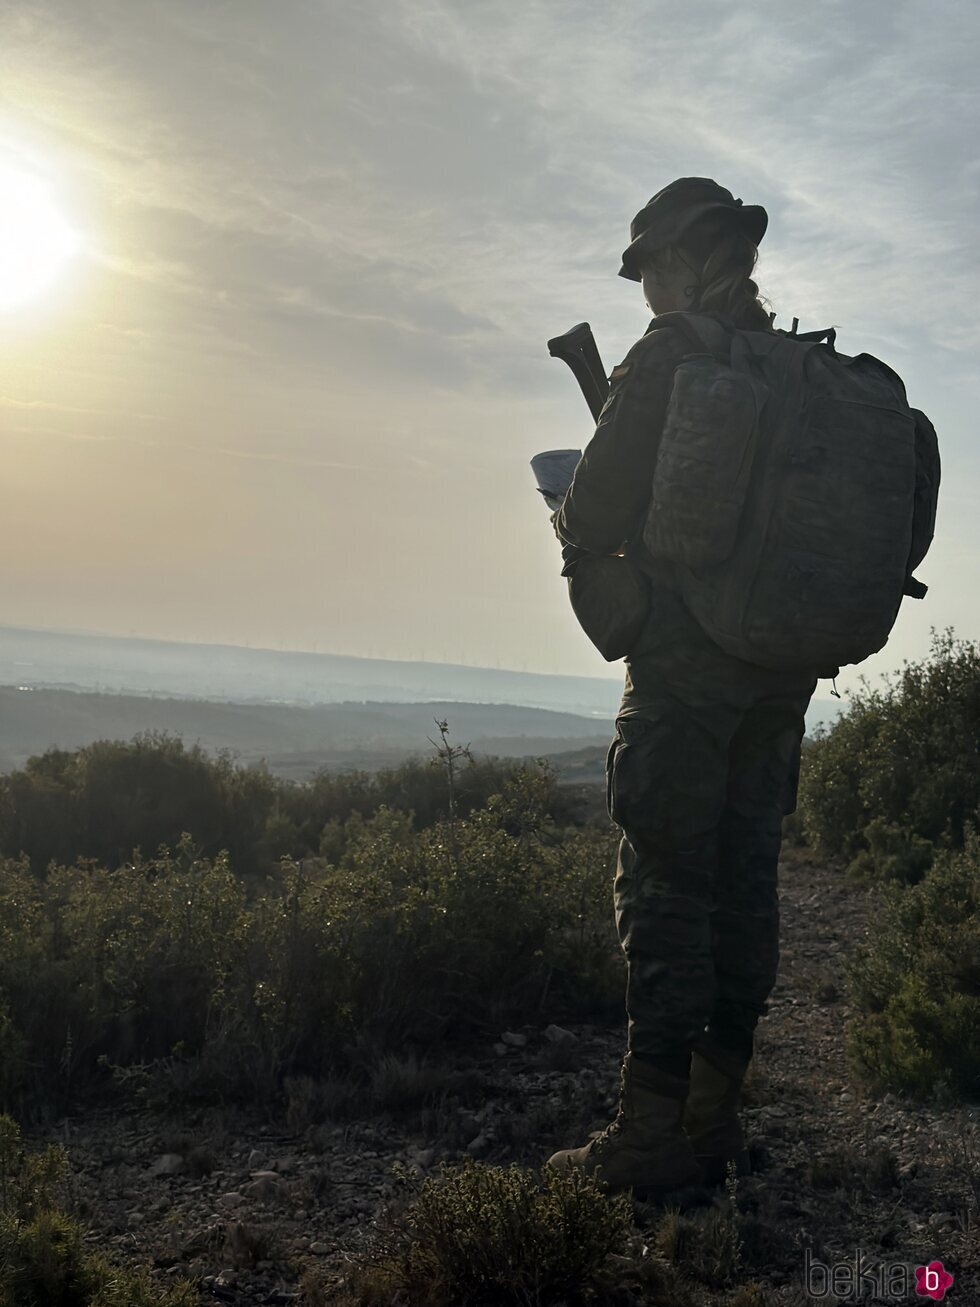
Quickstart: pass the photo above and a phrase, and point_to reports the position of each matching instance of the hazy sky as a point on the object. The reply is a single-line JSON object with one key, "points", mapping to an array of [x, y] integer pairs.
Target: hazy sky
{"points": [[287, 391]]}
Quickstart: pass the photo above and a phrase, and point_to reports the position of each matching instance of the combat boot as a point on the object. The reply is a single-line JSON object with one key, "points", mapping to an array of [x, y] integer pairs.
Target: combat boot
{"points": [[711, 1112], [645, 1148]]}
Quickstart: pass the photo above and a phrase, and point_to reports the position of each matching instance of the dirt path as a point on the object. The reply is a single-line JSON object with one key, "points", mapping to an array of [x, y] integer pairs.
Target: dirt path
{"points": [[847, 1170], [246, 1206]]}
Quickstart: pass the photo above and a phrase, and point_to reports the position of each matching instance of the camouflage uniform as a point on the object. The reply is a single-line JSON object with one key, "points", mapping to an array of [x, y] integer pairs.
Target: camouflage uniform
{"points": [[703, 767]]}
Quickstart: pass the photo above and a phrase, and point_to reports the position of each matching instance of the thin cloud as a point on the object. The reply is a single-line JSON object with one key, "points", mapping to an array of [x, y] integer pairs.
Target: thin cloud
{"points": [[280, 458], [837, 136], [57, 431], [41, 405]]}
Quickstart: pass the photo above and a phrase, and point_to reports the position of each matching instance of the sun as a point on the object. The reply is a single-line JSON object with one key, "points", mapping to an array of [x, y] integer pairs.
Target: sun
{"points": [[36, 240]]}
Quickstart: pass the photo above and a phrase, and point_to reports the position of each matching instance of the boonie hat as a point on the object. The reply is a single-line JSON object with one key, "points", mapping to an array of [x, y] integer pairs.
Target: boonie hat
{"points": [[672, 210]]}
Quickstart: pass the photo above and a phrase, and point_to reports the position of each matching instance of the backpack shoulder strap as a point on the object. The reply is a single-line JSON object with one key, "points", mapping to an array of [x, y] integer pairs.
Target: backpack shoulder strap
{"points": [[705, 333], [714, 336]]}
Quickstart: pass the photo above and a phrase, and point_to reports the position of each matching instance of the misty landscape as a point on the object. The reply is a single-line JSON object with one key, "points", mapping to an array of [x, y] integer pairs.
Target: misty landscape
{"points": [[297, 712]]}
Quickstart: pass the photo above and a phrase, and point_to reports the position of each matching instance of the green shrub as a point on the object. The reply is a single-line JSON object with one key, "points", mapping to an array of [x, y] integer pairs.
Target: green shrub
{"points": [[916, 983], [489, 1236], [43, 1258], [899, 773], [123, 963], [168, 973], [417, 785], [892, 853], [106, 800], [418, 935]]}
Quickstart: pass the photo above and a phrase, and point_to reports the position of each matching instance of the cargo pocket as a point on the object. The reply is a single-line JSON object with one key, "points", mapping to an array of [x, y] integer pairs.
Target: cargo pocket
{"points": [[621, 781]]}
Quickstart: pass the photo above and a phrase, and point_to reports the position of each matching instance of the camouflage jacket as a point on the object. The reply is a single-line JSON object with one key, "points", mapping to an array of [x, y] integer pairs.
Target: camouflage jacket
{"points": [[604, 510], [608, 498], [606, 504]]}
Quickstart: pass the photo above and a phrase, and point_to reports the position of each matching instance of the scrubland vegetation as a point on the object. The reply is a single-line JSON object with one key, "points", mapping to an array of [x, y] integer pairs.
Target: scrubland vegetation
{"points": [[182, 980], [897, 778], [174, 929], [892, 794]]}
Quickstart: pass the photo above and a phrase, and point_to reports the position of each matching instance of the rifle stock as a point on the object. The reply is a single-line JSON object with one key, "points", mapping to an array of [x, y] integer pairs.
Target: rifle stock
{"points": [[578, 349]]}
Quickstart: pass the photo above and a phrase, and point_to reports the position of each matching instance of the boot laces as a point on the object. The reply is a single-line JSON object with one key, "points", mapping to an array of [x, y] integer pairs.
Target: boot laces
{"points": [[615, 1126], [611, 1131]]}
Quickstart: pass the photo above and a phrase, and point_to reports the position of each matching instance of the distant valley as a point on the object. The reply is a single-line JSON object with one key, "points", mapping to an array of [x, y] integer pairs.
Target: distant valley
{"points": [[298, 711], [296, 741]]}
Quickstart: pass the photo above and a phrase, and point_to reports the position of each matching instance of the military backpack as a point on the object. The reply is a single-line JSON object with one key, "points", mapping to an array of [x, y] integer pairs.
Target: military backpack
{"points": [[794, 494]]}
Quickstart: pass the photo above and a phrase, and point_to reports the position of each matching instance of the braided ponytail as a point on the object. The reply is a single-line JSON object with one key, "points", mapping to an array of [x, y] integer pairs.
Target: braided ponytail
{"points": [[727, 285], [726, 259]]}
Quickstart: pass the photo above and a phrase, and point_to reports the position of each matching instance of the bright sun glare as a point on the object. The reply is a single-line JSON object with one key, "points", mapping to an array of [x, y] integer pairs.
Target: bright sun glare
{"points": [[36, 241]]}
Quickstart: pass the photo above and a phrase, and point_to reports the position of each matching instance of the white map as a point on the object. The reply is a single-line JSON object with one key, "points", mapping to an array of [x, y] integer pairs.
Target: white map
{"points": [[553, 471]]}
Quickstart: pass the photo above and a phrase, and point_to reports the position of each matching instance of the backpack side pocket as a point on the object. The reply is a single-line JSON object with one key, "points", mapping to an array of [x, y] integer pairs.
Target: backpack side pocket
{"points": [[927, 475], [704, 463]]}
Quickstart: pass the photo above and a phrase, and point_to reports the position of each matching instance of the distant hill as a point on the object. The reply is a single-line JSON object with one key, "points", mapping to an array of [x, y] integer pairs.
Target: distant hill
{"points": [[295, 741], [232, 674]]}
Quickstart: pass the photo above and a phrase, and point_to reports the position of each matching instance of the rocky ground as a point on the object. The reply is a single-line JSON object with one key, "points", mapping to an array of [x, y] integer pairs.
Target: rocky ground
{"points": [[246, 1206]]}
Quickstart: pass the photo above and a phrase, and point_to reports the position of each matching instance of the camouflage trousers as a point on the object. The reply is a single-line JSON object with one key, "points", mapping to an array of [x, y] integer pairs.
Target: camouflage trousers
{"points": [[699, 789]]}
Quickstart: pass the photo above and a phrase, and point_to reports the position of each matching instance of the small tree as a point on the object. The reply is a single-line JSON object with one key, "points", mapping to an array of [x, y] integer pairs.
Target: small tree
{"points": [[448, 756]]}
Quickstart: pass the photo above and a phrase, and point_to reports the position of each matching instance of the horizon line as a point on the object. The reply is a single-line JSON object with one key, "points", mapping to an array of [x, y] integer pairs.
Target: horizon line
{"points": [[308, 653]]}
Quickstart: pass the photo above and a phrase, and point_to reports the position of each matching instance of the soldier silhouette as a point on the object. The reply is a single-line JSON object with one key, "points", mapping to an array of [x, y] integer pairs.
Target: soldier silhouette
{"points": [[705, 761]]}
